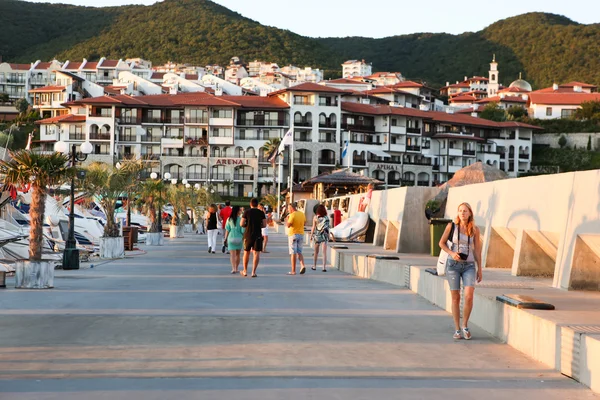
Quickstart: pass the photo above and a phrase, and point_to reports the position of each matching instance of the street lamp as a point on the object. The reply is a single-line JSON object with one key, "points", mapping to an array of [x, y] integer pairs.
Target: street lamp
{"points": [[71, 253]]}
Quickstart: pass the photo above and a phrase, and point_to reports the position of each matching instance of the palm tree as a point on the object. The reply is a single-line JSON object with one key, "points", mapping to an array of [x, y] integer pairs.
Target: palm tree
{"points": [[37, 171], [107, 184], [149, 199], [270, 147]]}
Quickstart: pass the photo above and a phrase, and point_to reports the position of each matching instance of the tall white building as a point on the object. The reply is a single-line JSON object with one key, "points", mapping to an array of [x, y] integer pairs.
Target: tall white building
{"points": [[493, 84], [356, 68]]}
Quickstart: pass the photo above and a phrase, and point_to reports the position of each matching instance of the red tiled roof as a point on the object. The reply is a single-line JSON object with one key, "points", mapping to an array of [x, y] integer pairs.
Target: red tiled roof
{"points": [[513, 89], [346, 81], [66, 118], [382, 109], [43, 65], [478, 78], [112, 89], [73, 65], [258, 102], [48, 89], [389, 90], [575, 83], [463, 99], [457, 85], [380, 74], [469, 110], [407, 84], [458, 136], [191, 77], [90, 65], [20, 67], [157, 75], [309, 87], [109, 63], [571, 98], [510, 124], [498, 99]]}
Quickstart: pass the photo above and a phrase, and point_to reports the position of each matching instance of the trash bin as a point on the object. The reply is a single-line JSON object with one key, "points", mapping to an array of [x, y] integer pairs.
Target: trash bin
{"points": [[436, 229]]}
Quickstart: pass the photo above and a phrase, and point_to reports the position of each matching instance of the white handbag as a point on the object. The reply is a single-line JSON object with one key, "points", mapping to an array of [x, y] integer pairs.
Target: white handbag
{"points": [[443, 257]]}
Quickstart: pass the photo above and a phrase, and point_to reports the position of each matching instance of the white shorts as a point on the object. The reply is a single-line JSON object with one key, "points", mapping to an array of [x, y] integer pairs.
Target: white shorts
{"points": [[264, 231]]}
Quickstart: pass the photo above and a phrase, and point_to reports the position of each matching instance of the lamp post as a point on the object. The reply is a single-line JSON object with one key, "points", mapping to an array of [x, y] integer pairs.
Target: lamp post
{"points": [[128, 220], [71, 253]]}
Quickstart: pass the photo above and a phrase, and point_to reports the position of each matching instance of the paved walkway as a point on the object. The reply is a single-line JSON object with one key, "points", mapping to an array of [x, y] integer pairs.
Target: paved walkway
{"points": [[174, 324]]}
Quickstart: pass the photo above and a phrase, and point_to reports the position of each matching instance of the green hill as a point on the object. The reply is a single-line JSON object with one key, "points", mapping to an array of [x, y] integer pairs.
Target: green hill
{"points": [[545, 47]]}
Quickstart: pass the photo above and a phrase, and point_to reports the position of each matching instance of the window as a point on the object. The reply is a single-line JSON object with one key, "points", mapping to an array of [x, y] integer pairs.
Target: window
{"points": [[198, 116], [221, 132], [394, 122], [302, 100], [567, 113], [222, 113], [548, 111]]}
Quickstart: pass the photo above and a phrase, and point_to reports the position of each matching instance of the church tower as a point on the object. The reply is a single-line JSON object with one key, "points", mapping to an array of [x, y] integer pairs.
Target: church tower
{"points": [[493, 85]]}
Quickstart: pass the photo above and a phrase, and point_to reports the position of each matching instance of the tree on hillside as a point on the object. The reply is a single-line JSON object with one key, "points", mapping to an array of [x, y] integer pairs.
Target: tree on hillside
{"points": [[493, 112]]}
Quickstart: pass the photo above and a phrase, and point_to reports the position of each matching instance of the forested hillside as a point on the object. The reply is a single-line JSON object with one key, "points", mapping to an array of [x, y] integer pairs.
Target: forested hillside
{"points": [[545, 47]]}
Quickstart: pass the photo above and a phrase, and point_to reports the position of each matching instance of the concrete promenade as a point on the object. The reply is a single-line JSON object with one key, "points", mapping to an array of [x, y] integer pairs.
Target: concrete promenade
{"points": [[175, 324]]}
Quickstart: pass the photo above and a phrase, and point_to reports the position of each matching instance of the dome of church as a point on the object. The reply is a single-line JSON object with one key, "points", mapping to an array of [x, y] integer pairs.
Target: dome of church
{"points": [[521, 84]]}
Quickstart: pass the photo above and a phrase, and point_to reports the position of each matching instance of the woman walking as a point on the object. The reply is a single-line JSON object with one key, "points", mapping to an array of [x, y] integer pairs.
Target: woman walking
{"points": [[212, 227], [234, 234], [320, 235], [465, 251]]}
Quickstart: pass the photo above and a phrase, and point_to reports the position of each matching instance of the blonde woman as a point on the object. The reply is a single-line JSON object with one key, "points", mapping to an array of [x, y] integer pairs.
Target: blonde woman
{"points": [[464, 263]]}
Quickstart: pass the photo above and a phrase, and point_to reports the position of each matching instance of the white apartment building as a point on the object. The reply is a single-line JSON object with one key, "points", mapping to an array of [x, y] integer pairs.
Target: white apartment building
{"points": [[303, 75], [356, 68], [386, 78]]}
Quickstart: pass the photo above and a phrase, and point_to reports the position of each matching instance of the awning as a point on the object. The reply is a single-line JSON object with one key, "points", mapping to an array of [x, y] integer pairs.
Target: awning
{"points": [[380, 153]]}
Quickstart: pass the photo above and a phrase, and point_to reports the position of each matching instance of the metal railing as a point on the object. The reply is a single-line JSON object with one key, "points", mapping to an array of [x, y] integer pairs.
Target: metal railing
{"points": [[413, 130], [261, 122], [302, 160], [129, 120], [99, 136], [243, 177], [413, 148], [358, 127], [327, 161]]}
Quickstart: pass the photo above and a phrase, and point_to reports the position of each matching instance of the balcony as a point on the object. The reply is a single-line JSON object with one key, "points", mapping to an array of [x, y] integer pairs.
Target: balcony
{"points": [[414, 130], [328, 124], [406, 182], [435, 167], [99, 136], [127, 138], [197, 176], [196, 120], [327, 138], [76, 136], [302, 138], [413, 148], [469, 153], [511, 155], [152, 120], [129, 120], [150, 138], [524, 138], [523, 156], [243, 177], [366, 141], [172, 142], [425, 162], [358, 161], [327, 161], [394, 182], [302, 160], [220, 176], [422, 183], [303, 123], [261, 122], [358, 127], [175, 121], [256, 136], [194, 141], [106, 114]]}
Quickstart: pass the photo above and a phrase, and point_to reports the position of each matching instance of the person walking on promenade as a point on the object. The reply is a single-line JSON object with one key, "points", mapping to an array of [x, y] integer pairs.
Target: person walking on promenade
{"points": [[253, 220], [295, 223], [224, 215], [464, 254], [320, 235], [212, 225], [264, 231], [234, 234]]}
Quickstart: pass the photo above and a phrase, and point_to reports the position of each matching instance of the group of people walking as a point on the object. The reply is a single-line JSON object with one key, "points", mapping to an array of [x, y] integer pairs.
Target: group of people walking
{"points": [[247, 230]]}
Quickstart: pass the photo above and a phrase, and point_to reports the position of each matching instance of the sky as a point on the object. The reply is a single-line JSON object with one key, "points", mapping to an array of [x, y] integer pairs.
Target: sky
{"points": [[340, 18]]}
